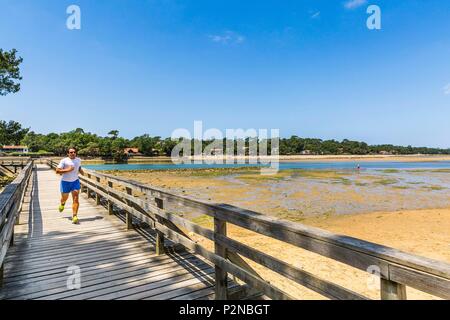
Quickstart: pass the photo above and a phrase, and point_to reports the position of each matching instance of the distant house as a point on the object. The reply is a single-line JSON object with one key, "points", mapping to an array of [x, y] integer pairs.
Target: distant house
{"points": [[385, 153], [21, 149], [132, 151], [306, 152]]}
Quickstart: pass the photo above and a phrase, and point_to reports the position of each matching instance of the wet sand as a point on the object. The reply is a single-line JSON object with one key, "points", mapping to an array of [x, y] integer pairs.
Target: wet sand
{"points": [[404, 209]]}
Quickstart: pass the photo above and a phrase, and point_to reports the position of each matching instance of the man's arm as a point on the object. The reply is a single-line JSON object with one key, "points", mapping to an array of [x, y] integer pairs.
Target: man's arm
{"points": [[61, 171], [81, 171], [60, 168]]}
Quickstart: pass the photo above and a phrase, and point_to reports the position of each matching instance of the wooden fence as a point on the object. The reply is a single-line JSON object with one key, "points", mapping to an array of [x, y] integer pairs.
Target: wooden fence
{"points": [[11, 200], [9, 167], [397, 269]]}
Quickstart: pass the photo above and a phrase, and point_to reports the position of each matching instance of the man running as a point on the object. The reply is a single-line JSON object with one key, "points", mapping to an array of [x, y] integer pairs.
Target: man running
{"points": [[69, 168]]}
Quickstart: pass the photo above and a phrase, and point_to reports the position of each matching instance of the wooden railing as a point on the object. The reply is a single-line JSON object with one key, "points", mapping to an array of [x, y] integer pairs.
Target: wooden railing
{"points": [[397, 269], [11, 200], [14, 162], [10, 167]]}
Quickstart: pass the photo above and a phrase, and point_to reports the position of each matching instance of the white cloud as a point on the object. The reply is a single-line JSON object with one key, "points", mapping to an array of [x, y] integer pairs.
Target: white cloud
{"points": [[315, 15], [227, 37], [352, 4], [447, 89]]}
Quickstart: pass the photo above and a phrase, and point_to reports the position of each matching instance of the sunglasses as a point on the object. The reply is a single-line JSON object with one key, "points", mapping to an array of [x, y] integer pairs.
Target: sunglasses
{"points": [[72, 152]]}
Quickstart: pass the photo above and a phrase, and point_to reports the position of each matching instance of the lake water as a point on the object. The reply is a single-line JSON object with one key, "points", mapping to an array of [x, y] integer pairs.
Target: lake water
{"points": [[337, 165]]}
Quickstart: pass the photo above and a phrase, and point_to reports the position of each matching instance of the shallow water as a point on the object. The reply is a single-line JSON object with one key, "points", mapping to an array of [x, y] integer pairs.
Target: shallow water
{"points": [[337, 165]]}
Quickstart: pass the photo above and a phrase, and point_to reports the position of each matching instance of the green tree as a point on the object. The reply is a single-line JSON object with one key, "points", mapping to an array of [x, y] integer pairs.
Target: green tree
{"points": [[117, 147], [11, 132], [35, 142], [113, 134], [167, 145], [92, 149], [9, 72], [149, 146]]}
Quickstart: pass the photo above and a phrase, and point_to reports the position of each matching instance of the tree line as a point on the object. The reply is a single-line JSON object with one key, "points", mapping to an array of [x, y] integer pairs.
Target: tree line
{"points": [[112, 145], [93, 145], [296, 145]]}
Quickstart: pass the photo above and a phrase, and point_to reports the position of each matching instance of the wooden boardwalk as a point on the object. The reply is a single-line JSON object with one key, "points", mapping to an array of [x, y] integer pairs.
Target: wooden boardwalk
{"points": [[114, 263]]}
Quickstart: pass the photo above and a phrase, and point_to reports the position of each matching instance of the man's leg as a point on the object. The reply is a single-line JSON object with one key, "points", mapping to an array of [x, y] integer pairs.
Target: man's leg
{"points": [[64, 197], [76, 203]]}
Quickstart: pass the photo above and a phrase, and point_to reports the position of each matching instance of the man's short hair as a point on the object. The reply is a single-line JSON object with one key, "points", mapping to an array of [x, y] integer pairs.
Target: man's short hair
{"points": [[72, 148]]}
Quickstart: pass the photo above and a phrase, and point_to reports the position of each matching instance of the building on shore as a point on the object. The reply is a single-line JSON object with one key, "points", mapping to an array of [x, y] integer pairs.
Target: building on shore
{"points": [[11, 149], [132, 152]]}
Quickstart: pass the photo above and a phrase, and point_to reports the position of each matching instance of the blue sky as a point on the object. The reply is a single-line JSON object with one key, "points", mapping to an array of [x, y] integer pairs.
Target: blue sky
{"points": [[310, 68]]}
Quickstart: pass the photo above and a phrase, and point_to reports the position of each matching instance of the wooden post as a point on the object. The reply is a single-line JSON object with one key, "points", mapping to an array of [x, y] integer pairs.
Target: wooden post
{"points": [[1, 275], [87, 188], [392, 290], [110, 203], [18, 206], [159, 235], [129, 216], [11, 241], [221, 288], [97, 196]]}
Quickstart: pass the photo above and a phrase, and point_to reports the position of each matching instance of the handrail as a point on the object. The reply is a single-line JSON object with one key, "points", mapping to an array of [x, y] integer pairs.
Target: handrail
{"points": [[11, 162], [10, 167], [397, 269], [11, 200]]}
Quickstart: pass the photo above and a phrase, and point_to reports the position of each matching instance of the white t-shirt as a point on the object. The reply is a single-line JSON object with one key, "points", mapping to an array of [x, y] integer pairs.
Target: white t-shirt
{"points": [[66, 163]]}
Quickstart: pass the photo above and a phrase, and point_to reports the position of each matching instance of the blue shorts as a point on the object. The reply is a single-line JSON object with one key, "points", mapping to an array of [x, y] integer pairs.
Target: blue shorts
{"points": [[69, 186]]}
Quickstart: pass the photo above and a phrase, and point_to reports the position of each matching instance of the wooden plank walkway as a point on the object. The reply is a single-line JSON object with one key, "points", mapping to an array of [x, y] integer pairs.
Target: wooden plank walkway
{"points": [[114, 263]]}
